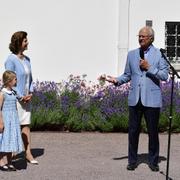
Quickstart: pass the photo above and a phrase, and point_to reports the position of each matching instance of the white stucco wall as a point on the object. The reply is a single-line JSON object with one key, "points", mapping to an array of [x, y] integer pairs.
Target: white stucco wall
{"points": [[138, 11], [81, 36], [65, 36], [158, 11]]}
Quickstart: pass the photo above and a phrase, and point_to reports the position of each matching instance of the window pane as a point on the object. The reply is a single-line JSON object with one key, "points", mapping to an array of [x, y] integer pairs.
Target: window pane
{"points": [[171, 40], [171, 28], [178, 52], [178, 40], [171, 51], [178, 29]]}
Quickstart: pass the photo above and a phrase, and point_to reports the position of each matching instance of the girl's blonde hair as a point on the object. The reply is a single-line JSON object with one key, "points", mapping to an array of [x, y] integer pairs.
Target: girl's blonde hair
{"points": [[7, 77]]}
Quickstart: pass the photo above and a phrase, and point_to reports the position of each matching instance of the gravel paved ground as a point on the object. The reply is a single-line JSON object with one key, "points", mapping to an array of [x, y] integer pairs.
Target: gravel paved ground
{"points": [[92, 156]]}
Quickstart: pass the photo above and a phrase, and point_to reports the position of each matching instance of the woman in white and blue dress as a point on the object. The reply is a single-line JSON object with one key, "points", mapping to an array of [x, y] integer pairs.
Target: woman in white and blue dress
{"points": [[10, 132], [20, 64]]}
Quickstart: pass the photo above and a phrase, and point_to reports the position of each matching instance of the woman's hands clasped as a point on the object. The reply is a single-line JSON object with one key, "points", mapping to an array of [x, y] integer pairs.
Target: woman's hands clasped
{"points": [[26, 98]]}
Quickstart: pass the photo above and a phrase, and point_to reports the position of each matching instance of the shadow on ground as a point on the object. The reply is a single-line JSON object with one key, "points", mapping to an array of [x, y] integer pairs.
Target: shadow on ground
{"points": [[142, 158], [20, 160]]}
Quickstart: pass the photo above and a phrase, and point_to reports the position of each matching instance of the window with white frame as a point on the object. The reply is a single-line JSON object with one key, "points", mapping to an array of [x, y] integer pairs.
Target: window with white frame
{"points": [[172, 42]]}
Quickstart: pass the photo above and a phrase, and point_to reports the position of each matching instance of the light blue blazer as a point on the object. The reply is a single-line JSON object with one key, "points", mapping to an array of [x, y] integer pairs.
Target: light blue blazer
{"points": [[145, 84], [12, 63]]}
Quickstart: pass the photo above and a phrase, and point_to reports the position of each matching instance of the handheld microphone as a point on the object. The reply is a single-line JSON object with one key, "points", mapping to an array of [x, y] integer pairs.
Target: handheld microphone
{"points": [[141, 53]]}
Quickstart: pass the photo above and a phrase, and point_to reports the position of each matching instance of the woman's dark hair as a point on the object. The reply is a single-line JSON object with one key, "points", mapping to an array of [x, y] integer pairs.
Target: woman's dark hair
{"points": [[16, 41]]}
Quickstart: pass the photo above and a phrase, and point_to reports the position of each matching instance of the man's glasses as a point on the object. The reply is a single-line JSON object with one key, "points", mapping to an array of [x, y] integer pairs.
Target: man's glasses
{"points": [[142, 36]]}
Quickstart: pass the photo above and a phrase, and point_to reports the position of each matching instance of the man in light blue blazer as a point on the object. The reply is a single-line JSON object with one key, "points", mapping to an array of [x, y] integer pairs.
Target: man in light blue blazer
{"points": [[145, 68]]}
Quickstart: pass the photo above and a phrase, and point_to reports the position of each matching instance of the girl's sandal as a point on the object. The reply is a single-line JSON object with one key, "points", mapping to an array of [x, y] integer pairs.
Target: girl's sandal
{"points": [[11, 167], [4, 168]]}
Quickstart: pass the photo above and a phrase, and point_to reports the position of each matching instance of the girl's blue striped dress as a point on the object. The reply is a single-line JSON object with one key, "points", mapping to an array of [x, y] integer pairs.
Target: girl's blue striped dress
{"points": [[10, 139]]}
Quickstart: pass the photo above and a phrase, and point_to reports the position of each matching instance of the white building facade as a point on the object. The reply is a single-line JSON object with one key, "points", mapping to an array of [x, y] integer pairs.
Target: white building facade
{"points": [[86, 36], [163, 16]]}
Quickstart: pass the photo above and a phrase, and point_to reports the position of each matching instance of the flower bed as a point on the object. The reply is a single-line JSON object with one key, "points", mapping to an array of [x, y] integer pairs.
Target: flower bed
{"points": [[78, 105]]}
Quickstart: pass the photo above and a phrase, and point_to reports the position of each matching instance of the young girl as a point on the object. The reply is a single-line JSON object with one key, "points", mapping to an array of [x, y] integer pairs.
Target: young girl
{"points": [[10, 133]]}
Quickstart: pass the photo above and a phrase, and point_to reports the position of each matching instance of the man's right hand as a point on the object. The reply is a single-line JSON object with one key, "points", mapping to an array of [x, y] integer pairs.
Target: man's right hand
{"points": [[108, 78], [111, 79]]}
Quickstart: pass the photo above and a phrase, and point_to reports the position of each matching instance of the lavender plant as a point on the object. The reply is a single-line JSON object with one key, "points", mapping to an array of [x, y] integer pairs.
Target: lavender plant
{"points": [[79, 105]]}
